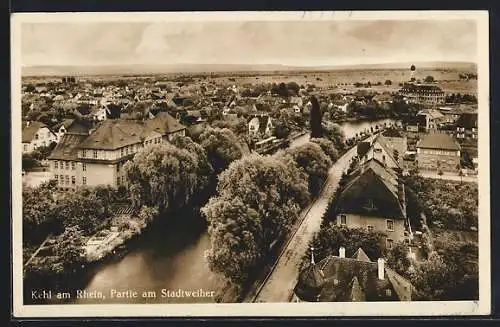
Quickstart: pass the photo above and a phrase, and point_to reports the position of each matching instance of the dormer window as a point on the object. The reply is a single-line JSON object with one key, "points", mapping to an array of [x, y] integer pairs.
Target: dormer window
{"points": [[369, 205]]}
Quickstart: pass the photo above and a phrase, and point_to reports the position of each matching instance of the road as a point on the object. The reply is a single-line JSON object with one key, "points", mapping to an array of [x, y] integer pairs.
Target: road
{"points": [[303, 139], [279, 285]]}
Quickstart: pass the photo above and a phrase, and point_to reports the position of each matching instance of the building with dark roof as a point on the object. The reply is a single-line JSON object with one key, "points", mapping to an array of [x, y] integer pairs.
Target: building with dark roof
{"points": [[384, 151], [354, 279], [91, 157], [426, 94], [36, 135], [438, 152], [373, 198], [466, 126]]}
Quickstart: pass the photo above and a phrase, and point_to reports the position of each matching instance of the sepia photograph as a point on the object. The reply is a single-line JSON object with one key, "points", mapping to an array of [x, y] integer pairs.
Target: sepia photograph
{"points": [[250, 164]]}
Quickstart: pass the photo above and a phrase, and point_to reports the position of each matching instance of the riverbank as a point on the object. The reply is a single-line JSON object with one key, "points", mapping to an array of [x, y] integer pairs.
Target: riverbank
{"points": [[170, 254]]}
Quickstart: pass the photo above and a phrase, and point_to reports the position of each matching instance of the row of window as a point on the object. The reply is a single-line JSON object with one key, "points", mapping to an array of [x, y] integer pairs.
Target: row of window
{"points": [[153, 141], [64, 180], [441, 152], [68, 165], [38, 136], [65, 165], [389, 224], [94, 153]]}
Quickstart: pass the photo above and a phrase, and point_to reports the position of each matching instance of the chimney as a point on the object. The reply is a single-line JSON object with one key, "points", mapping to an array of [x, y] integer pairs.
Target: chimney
{"points": [[380, 268], [342, 252]]}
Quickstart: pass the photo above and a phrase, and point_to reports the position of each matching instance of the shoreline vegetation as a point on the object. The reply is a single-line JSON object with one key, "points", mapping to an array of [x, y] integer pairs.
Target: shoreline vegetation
{"points": [[309, 165]]}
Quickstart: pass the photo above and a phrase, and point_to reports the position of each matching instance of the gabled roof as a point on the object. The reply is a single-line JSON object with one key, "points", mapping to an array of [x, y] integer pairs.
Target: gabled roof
{"points": [[373, 184], [114, 134], [384, 143], [81, 127], [432, 113], [467, 120], [67, 148], [29, 132], [439, 141], [66, 123], [164, 124], [360, 255], [336, 279]]}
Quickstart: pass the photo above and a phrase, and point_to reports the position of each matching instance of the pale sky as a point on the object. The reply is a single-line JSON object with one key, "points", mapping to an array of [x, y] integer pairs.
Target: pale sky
{"points": [[248, 42]]}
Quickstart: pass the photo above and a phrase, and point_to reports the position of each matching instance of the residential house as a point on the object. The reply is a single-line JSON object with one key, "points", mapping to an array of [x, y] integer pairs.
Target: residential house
{"points": [[36, 135], [466, 126], [433, 119], [382, 150], [97, 158], [260, 125], [397, 140], [88, 157], [438, 151], [373, 198], [416, 124], [425, 94], [355, 279], [61, 128], [166, 125], [65, 165], [104, 152]]}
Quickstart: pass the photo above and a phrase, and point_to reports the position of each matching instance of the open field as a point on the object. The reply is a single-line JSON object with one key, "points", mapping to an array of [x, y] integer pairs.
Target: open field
{"points": [[340, 80]]}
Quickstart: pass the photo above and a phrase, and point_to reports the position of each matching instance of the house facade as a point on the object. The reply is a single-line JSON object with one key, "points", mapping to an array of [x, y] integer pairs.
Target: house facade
{"points": [[260, 125], [466, 126], [98, 156], [36, 135], [432, 118], [423, 94], [382, 150], [374, 199], [438, 152]]}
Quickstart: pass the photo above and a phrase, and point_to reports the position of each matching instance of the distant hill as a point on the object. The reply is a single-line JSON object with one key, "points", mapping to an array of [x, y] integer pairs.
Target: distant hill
{"points": [[206, 68]]}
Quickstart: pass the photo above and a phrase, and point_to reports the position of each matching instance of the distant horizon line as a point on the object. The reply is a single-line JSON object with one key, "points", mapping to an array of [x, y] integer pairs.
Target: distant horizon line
{"points": [[255, 64]]}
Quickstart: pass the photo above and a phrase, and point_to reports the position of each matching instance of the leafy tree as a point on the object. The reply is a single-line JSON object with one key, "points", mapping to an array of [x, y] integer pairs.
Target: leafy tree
{"points": [[69, 248], [397, 258], [236, 232], [79, 210], [205, 169], [334, 133], [331, 237], [315, 119], [162, 175], [222, 147], [293, 87], [29, 162], [282, 129], [30, 88], [388, 82], [328, 148], [429, 79], [311, 158], [38, 213], [259, 198]]}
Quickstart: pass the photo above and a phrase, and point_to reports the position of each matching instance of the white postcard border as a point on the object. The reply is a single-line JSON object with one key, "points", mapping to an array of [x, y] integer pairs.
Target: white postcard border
{"points": [[433, 308]]}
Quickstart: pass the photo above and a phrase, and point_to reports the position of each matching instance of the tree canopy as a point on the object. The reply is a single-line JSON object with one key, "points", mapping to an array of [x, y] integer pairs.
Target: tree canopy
{"points": [[258, 200], [315, 119], [222, 147]]}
